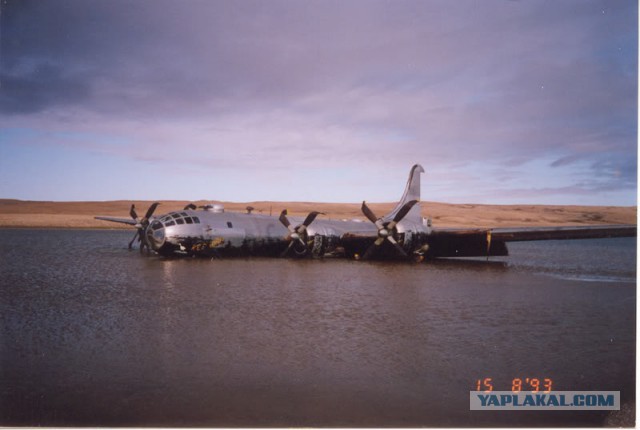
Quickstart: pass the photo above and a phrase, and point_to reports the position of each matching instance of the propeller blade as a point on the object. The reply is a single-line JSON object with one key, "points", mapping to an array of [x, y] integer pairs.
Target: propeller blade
{"points": [[376, 244], [309, 219], [401, 214], [368, 253], [386, 230], [397, 246], [286, 251], [371, 249], [297, 234], [404, 211], [134, 238], [144, 242], [141, 226], [285, 221], [151, 210], [283, 218], [133, 213], [369, 213]]}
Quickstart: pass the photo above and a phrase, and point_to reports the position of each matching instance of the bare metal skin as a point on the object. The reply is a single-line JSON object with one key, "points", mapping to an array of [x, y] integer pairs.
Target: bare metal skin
{"points": [[401, 234]]}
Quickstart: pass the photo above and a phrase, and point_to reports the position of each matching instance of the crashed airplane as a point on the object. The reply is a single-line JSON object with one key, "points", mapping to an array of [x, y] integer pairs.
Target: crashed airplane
{"points": [[401, 234]]}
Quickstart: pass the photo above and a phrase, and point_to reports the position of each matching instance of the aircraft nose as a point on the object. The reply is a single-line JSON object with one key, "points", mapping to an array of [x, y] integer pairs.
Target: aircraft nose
{"points": [[156, 235]]}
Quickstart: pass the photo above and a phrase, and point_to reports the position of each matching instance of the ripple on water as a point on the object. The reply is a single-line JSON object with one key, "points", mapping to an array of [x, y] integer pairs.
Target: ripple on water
{"points": [[94, 334]]}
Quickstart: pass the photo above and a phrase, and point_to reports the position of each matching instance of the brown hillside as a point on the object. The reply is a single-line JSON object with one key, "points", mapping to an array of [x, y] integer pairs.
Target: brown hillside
{"points": [[17, 213]]}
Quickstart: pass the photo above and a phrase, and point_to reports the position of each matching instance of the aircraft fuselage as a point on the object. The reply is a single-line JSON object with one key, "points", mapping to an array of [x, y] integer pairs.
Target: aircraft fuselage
{"points": [[215, 232]]}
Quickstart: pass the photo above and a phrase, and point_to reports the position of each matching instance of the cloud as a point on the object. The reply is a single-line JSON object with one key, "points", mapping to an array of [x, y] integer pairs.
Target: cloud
{"points": [[44, 87], [378, 85]]}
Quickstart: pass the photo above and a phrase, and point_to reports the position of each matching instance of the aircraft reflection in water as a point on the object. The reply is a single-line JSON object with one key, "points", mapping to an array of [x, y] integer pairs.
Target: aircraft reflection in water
{"points": [[401, 234]]}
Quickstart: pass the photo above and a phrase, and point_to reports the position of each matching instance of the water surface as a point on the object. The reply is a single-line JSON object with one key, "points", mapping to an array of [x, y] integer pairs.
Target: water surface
{"points": [[94, 334]]}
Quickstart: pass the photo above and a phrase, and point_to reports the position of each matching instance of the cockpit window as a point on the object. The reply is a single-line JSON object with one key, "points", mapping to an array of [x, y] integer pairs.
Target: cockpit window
{"points": [[179, 218]]}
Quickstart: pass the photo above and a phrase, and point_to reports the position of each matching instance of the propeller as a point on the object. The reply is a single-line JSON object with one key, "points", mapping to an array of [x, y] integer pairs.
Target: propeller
{"points": [[298, 234], [386, 230], [141, 225]]}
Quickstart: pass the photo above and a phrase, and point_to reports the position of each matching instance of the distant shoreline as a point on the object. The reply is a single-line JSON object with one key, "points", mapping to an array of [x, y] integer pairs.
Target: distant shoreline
{"points": [[80, 215]]}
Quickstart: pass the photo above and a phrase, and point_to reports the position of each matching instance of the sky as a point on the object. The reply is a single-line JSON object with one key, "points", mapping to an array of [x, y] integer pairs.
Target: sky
{"points": [[501, 102]]}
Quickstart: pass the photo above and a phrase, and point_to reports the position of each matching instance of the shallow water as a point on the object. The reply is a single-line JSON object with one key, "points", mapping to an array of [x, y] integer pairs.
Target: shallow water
{"points": [[94, 334]]}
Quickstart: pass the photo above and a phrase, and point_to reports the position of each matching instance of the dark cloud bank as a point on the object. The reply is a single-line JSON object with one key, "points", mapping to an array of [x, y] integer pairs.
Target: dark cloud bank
{"points": [[464, 82]]}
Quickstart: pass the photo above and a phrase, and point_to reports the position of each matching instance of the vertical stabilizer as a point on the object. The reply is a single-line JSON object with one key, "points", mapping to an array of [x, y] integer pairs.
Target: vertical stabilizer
{"points": [[411, 192]]}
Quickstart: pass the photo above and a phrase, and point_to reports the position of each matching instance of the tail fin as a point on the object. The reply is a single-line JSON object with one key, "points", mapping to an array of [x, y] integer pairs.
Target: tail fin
{"points": [[411, 192]]}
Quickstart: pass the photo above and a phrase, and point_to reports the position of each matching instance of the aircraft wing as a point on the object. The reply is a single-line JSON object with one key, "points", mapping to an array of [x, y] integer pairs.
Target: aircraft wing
{"points": [[482, 242], [129, 221], [561, 233]]}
